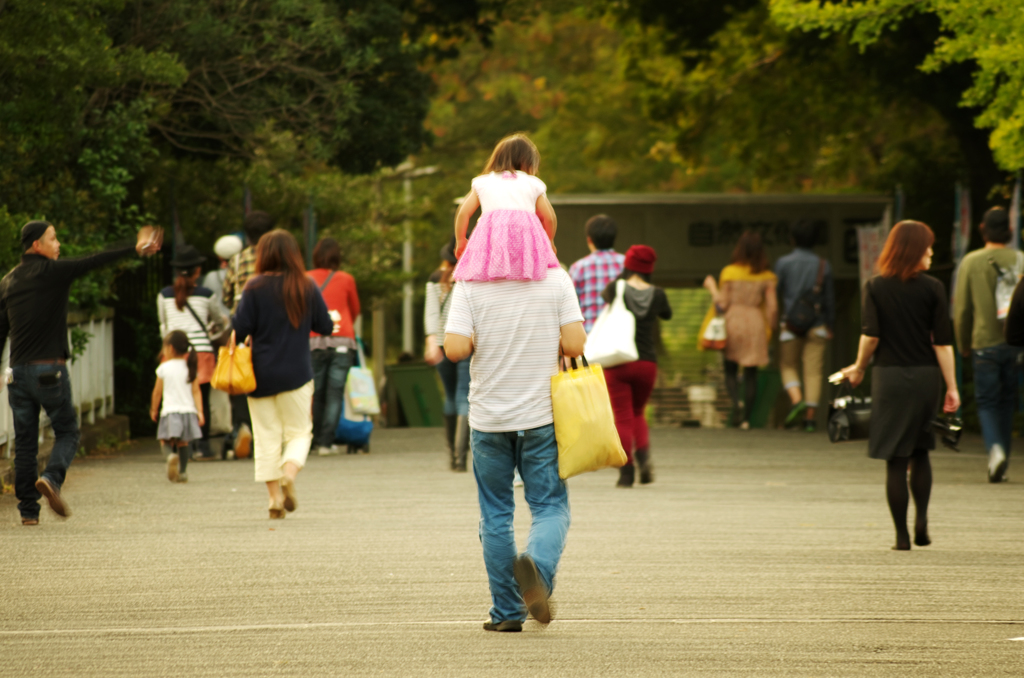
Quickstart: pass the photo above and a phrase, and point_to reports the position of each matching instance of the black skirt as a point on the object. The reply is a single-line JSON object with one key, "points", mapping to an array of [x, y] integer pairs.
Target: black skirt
{"points": [[903, 401]]}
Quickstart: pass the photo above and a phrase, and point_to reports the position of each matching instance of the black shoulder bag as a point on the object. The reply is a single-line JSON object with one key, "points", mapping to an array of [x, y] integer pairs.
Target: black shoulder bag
{"points": [[806, 310]]}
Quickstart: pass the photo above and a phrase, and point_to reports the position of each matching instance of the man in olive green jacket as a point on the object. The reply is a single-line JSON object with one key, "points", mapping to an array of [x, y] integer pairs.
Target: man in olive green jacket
{"points": [[979, 335]]}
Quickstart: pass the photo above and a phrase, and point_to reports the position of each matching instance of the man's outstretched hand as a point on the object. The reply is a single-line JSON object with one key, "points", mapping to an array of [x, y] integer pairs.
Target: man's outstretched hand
{"points": [[150, 240]]}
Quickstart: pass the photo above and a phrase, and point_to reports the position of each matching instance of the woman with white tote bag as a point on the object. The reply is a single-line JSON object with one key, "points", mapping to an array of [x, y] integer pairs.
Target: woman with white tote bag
{"points": [[623, 342]]}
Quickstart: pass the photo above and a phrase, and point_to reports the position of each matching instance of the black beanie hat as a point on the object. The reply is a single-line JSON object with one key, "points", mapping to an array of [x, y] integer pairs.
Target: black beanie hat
{"points": [[31, 232]]}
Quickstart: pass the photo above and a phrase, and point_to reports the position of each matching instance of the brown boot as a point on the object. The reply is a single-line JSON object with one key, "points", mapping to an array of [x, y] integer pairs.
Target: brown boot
{"points": [[450, 424]]}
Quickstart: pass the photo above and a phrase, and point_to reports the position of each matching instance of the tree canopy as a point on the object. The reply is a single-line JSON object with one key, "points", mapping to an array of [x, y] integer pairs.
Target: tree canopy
{"points": [[98, 97], [987, 34]]}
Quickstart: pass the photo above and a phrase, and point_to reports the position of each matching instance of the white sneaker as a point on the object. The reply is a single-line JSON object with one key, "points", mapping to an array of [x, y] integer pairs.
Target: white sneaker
{"points": [[336, 449], [324, 451], [172, 467], [997, 464]]}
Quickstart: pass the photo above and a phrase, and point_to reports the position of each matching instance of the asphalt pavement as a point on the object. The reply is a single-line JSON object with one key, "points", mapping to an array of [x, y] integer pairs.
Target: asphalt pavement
{"points": [[752, 554]]}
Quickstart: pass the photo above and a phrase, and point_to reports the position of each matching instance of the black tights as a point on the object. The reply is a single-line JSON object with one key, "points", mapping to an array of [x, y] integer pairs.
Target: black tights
{"points": [[896, 492], [749, 387]]}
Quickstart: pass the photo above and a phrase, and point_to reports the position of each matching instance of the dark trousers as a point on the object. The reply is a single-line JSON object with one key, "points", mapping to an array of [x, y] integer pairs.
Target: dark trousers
{"points": [[996, 370], [629, 387], [204, 389], [455, 378], [47, 386], [330, 371]]}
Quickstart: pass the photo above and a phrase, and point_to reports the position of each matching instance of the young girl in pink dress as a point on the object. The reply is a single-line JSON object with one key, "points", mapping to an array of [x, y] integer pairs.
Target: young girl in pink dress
{"points": [[514, 237]]}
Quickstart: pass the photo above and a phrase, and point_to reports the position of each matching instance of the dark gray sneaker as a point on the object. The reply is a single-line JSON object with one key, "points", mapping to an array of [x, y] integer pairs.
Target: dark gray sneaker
{"points": [[532, 588], [508, 626]]}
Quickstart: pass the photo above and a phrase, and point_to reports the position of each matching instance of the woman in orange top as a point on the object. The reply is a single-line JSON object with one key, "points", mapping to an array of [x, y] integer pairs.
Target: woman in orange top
{"points": [[332, 356]]}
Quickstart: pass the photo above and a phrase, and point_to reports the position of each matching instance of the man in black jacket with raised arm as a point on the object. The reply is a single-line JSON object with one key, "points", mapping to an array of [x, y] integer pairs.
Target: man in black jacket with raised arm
{"points": [[33, 311]]}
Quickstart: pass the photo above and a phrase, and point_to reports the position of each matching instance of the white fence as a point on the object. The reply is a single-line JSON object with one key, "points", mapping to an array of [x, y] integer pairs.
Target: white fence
{"points": [[92, 378]]}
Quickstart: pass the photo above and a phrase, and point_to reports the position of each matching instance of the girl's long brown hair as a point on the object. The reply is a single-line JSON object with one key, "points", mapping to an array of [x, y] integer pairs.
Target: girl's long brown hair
{"points": [[750, 251], [514, 152], [278, 253], [906, 245]]}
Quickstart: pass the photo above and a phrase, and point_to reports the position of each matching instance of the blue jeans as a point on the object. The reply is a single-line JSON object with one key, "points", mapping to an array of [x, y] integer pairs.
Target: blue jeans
{"points": [[495, 458], [330, 371], [47, 386], [995, 391], [455, 377]]}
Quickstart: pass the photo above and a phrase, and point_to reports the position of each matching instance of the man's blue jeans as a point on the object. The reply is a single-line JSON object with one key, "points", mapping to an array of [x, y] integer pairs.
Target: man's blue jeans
{"points": [[48, 386], [995, 391], [495, 458], [330, 371]]}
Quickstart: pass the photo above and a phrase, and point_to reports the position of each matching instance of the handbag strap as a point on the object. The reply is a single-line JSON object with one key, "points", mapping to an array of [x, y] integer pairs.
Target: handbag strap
{"points": [[201, 324], [821, 276], [327, 282], [447, 297], [572, 361]]}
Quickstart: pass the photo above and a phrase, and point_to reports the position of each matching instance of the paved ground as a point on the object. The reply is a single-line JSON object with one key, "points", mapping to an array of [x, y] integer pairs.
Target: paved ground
{"points": [[753, 553]]}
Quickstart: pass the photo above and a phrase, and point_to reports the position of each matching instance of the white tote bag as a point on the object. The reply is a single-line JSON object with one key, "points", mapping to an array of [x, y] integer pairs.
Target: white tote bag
{"points": [[612, 339], [360, 390]]}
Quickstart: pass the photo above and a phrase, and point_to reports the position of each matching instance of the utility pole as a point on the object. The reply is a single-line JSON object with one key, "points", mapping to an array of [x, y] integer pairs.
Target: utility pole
{"points": [[407, 172]]}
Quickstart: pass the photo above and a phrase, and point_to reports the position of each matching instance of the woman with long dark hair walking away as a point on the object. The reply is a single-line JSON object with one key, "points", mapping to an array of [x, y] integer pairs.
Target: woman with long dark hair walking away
{"points": [[630, 384], [906, 327], [745, 293], [279, 308]]}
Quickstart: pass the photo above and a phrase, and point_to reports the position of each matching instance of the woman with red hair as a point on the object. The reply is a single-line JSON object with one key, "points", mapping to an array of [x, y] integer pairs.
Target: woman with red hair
{"points": [[906, 327]]}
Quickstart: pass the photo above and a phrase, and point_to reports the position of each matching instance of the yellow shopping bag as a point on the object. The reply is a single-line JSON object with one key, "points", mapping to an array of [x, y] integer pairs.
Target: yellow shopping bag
{"points": [[584, 423], [233, 373]]}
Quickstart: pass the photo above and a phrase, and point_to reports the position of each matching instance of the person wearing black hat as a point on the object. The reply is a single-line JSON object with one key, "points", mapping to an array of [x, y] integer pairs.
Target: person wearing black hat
{"points": [[33, 312], [454, 376], [192, 309], [630, 384], [978, 316]]}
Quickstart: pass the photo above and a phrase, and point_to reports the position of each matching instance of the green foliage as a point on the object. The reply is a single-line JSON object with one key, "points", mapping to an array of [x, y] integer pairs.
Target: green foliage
{"points": [[79, 342], [10, 239], [986, 33], [557, 75], [67, 153]]}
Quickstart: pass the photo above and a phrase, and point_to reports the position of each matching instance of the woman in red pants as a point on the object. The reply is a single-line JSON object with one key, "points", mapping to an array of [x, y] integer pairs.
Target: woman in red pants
{"points": [[630, 384]]}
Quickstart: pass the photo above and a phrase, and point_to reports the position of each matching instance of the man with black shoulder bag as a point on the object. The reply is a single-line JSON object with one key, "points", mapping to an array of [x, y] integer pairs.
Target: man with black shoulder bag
{"points": [[807, 298]]}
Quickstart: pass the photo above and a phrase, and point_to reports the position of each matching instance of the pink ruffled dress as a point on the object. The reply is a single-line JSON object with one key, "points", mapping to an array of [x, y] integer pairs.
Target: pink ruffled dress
{"points": [[509, 242]]}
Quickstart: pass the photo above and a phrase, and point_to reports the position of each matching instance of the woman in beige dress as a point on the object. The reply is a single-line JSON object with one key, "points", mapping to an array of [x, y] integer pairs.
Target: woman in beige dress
{"points": [[746, 295]]}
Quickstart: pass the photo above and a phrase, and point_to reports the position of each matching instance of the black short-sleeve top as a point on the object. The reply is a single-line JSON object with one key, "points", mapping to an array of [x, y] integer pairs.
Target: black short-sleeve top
{"points": [[908, 317]]}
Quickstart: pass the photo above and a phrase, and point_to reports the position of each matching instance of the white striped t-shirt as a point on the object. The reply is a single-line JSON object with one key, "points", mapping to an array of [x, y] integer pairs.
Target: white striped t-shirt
{"points": [[516, 329]]}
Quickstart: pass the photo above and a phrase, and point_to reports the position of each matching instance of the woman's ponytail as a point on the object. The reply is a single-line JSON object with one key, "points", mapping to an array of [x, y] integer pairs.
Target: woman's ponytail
{"points": [[183, 286]]}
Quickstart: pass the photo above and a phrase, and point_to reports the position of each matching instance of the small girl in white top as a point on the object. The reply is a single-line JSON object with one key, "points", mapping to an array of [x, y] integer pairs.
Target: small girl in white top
{"points": [[515, 235], [181, 413]]}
